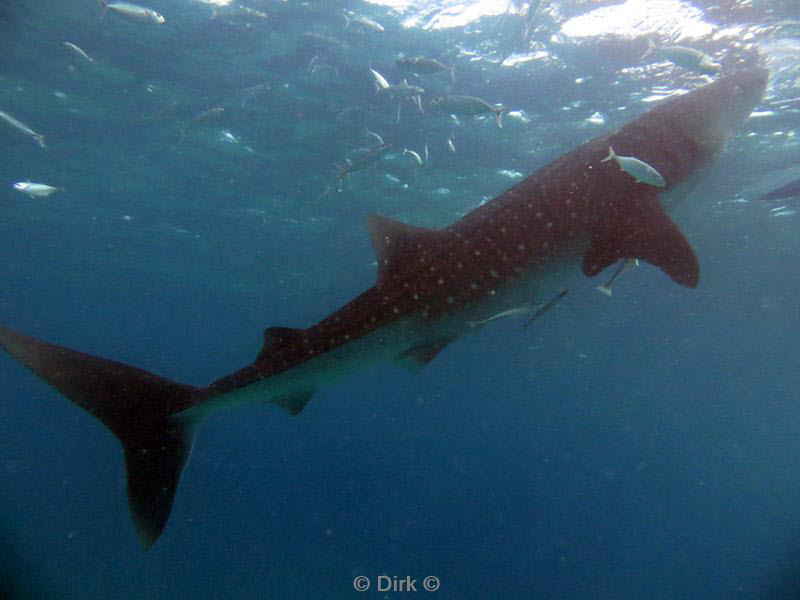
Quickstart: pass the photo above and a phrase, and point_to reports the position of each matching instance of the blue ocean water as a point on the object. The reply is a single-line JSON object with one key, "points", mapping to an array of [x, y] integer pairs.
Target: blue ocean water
{"points": [[639, 446]]}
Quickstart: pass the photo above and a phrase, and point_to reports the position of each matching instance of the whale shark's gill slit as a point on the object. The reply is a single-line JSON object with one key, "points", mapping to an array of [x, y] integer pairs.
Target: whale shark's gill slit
{"points": [[137, 406]]}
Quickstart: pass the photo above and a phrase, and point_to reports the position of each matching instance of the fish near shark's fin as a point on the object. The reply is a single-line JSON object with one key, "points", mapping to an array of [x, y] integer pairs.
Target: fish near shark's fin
{"points": [[645, 232], [397, 244], [418, 356], [274, 337], [138, 407], [499, 111]]}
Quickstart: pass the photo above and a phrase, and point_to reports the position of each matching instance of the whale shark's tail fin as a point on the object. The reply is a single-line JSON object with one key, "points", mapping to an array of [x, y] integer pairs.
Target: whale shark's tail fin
{"points": [[140, 408]]}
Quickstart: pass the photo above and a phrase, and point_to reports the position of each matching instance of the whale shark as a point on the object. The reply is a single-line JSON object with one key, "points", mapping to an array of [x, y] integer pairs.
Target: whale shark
{"points": [[574, 217]]}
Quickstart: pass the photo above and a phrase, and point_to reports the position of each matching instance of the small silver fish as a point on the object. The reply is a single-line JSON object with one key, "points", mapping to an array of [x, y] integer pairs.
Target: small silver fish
{"points": [[413, 155], [402, 90], [624, 266], [423, 65], [638, 169], [469, 105], [77, 51], [227, 136], [688, 58], [362, 21], [380, 81], [376, 136], [134, 12], [450, 145], [35, 190], [532, 12], [203, 116], [20, 126]]}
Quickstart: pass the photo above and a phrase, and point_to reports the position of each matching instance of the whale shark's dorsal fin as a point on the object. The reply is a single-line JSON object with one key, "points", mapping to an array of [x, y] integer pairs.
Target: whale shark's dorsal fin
{"points": [[397, 244], [645, 232], [274, 337]]}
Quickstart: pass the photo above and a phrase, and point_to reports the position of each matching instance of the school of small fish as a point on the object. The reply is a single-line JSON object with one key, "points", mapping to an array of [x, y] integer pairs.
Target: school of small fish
{"points": [[407, 90]]}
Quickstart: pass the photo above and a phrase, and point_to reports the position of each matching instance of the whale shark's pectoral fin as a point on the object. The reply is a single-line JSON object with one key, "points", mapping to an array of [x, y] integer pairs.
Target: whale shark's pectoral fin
{"points": [[416, 357], [645, 232]]}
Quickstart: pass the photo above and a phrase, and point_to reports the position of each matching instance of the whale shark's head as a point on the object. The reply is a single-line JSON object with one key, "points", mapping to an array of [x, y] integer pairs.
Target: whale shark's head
{"points": [[690, 131], [730, 100]]}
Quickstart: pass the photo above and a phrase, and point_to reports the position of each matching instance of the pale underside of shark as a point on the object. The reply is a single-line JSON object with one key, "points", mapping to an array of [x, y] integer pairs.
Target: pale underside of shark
{"points": [[576, 213]]}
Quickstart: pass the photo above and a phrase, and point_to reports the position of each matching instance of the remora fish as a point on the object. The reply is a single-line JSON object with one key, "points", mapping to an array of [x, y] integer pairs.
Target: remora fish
{"points": [[546, 307], [134, 12], [534, 309], [688, 58], [526, 309], [469, 105], [20, 126], [626, 264], [567, 217]]}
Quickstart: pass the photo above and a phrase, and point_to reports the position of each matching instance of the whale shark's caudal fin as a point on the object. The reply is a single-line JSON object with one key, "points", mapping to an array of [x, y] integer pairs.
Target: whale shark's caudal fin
{"points": [[140, 408]]}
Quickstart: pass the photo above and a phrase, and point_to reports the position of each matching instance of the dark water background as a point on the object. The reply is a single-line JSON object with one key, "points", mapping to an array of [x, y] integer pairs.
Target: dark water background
{"points": [[643, 446]]}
